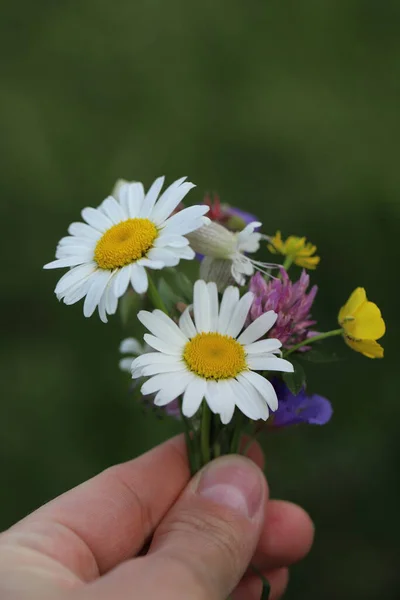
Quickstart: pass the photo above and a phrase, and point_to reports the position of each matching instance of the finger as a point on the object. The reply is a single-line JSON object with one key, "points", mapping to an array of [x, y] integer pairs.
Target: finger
{"points": [[286, 538], [253, 451], [251, 587], [204, 544], [107, 519]]}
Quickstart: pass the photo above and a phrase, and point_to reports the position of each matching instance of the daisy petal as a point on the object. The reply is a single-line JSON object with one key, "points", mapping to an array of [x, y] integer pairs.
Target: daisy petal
{"points": [[74, 276], [213, 397], [213, 304], [135, 198], [159, 382], [96, 219], [240, 315], [112, 209], [258, 328], [250, 402], [193, 396], [84, 230], [151, 198], [139, 278], [177, 367], [263, 387], [95, 292], [121, 280], [186, 324], [270, 345], [176, 387], [201, 306], [168, 331], [228, 305], [169, 201], [162, 346]]}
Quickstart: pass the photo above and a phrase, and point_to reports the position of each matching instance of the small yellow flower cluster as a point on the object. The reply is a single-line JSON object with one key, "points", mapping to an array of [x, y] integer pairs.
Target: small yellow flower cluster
{"points": [[296, 249], [362, 324]]}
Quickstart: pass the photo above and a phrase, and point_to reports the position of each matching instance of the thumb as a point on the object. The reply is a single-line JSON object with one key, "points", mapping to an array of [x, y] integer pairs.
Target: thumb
{"points": [[204, 544]]}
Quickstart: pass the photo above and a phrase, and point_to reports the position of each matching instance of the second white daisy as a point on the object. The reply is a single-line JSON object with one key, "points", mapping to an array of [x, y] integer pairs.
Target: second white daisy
{"points": [[210, 358]]}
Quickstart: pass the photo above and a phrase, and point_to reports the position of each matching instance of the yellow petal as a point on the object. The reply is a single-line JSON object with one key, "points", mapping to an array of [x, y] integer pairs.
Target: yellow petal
{"points": [[369, 348], [356, 299], [368, 323], [307, 262]]}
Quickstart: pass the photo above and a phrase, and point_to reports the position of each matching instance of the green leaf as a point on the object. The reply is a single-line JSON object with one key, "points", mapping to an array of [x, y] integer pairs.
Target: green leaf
{"points": [[129, 306], [316, 356], [167, 294], [296, 380], [180, 283]]}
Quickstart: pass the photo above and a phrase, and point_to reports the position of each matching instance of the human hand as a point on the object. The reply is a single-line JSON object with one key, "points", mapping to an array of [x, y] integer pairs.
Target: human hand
{"points": [[86, 544]]}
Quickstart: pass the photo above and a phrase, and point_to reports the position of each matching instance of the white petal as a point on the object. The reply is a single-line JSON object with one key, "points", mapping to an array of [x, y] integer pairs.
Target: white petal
{"points": [[227, 400], [139, 279], [186, 253], [74, 276], [83, 252], [164, 381], [213, 397], [150, 264], [213, 305], [201, 306], [131, 346], [84, 230], [277, 364], [151, 198], [169, 201], [249, 401], [248, 230], [111, 300], [95, 292], [167, 257], [164, 328], [96, 219], [121, 280], [193, 396], [229, 302], [162, 346], [173, 390], [152, 358], [258, 328], [112, 209], [175, 241], [270, 345], [177, 368], [125, 364], [263, 387], [186, 324], [74, 240], [240, 315], [70, 261], [133, 196], [186, 220]]}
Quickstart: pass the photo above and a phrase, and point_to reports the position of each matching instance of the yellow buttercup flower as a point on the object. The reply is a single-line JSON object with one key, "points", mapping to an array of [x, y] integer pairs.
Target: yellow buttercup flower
{"points": [[362, 324], [296, 250]]}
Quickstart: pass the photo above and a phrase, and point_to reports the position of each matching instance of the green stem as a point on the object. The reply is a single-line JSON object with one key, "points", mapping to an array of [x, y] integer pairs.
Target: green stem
{"points": [[235, 441], [317, 338], [155, 297], [205, 433], [287, 263], [189, 442]]}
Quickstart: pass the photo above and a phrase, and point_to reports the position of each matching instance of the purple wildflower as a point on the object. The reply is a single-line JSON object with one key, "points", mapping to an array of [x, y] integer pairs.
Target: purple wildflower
{"points": [[290, 301], [300, 408], [232, 218]]}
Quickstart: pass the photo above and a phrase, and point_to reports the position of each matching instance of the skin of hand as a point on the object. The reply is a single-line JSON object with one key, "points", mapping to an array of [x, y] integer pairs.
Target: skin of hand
{"points": [[200, 535]]}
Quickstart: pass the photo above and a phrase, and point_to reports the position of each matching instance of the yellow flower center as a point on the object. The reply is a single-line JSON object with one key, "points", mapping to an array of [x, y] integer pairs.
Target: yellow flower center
{"points": [[125, 243], [215, 356]]}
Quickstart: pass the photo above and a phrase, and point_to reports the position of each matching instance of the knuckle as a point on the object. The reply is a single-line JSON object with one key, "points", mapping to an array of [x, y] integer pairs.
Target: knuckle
{"points": [[207, 530]]}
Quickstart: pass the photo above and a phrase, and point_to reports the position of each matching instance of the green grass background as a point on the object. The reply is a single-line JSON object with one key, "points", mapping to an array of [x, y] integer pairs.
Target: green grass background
{"points": [[288, 108]]}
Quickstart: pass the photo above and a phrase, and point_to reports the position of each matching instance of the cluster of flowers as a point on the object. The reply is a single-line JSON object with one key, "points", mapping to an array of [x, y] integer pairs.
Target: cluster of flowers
{"points": [[219, 347]]}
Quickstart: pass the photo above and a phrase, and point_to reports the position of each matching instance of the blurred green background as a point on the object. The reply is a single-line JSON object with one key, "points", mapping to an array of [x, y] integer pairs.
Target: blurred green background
{"points": [[287, 108]]}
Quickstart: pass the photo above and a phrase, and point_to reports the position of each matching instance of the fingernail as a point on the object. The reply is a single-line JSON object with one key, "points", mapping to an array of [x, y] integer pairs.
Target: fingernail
{"points": [[233, 482]]}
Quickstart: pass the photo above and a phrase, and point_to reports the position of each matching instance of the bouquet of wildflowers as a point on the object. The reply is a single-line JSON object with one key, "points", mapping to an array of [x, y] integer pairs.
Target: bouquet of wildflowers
{"points": [[220, 337]]}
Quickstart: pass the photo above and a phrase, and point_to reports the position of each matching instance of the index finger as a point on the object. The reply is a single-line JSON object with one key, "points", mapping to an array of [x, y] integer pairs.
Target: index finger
{"points": [[115, 512]]}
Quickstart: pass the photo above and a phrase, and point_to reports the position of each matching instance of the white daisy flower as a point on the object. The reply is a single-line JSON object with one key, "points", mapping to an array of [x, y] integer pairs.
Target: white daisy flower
{"points": [[132, 348], [122, 238], [226, 252], [210, 358]]}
